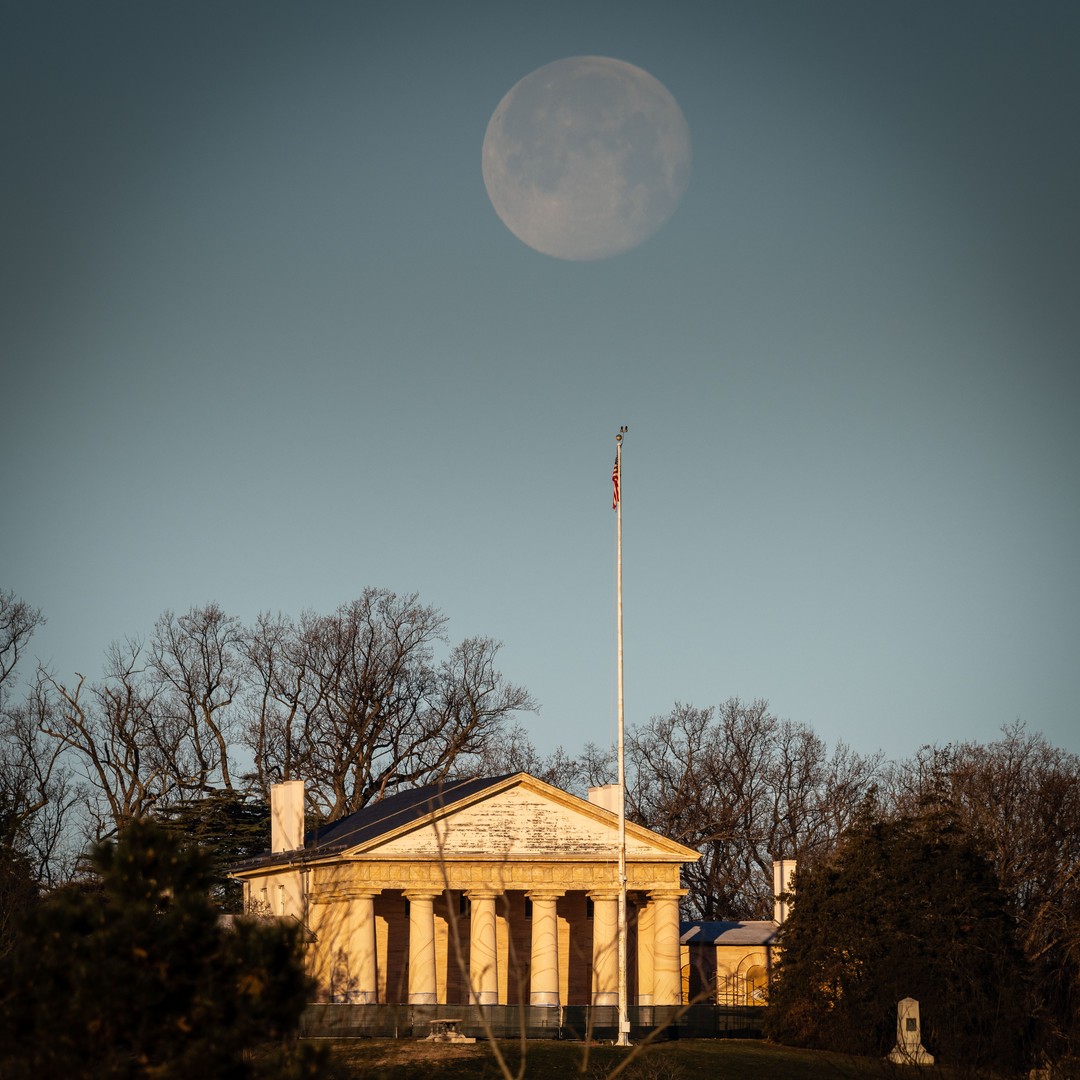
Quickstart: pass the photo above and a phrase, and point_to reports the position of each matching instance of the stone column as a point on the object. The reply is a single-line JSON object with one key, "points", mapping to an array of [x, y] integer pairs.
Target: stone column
{"points": [[321, 958], [483, 949], [667, 964], [605, 950], [645, 937], [422, 948], [362, 947], [544, 958]]}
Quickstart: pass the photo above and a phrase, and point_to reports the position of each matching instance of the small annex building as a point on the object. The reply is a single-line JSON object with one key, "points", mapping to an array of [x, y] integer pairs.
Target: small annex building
{"points": [[729, 962], [495, 891]]}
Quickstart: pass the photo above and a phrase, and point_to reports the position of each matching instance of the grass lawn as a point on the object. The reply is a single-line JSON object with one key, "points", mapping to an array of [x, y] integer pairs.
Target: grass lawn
{"points": [[689, 1059]]}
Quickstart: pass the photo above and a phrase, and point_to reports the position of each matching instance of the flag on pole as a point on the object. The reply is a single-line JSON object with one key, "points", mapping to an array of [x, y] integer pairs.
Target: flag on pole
{"points": [[615, 485]]}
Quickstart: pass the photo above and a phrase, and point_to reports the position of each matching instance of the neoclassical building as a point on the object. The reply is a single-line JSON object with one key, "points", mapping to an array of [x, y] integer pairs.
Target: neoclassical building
{"points": [[497, 891]]}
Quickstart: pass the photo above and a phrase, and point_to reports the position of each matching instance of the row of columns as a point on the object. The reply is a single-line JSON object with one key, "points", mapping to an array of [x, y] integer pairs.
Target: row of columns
{"points": [[659, 966]]}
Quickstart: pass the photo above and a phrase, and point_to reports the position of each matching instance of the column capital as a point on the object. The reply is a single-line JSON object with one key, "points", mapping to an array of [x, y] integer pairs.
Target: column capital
{"points": [[545, 894], [668, 894], [484, 892], [603, 894], [422, 894]]}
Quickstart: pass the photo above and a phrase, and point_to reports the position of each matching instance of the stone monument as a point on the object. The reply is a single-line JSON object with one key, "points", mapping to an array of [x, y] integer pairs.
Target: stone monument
{"points": [[909, 1049]]}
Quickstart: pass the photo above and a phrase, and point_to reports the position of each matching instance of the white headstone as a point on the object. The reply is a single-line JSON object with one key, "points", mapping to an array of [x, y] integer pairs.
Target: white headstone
{"points": [[909, 1049]]}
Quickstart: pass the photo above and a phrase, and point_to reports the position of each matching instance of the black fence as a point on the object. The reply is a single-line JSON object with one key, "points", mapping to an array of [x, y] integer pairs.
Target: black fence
{"points": [[599, 1023]]}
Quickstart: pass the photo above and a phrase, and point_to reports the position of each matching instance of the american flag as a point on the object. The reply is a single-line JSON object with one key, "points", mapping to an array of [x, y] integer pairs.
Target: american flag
{"points": [[615, 484]]}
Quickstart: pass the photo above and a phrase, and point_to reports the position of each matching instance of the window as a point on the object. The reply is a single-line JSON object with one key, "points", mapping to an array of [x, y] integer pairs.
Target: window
{"points": [[757, 986]]}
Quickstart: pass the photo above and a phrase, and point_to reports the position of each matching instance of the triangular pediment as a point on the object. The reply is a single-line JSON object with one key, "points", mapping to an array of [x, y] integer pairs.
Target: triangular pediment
{"points": [[520, 818]]}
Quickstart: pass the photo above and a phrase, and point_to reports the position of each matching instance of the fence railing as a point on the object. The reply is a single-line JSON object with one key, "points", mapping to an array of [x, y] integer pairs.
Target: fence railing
{"points": [[576, 1022]]}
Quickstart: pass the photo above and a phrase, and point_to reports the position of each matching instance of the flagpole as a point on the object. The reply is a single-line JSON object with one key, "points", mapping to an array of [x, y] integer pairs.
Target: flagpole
{"points": [[624, 1017]]}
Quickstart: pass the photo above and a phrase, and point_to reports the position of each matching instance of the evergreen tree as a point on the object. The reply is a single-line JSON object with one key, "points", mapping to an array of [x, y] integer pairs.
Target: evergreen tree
{"points": [[903, 908], [136, 975], [18, 888], [228, 827]]}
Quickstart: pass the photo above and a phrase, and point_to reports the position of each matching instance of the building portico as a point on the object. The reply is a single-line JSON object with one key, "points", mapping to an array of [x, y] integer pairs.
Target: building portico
{"points": [[492, 891]]}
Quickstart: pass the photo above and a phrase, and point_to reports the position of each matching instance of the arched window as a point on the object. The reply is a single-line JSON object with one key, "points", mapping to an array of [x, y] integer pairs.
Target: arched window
{"points": [[756, 983], [747, 985]]}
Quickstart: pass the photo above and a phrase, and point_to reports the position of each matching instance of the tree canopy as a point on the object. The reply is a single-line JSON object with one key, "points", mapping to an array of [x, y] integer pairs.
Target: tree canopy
{"points": [[742, 787], [1019, 799], [135, 975], [905, 907], [228, 827], [194, 724], [358, 704]]}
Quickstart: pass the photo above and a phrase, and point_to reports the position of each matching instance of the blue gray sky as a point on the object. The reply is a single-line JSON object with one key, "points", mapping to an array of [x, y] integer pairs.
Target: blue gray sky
{"points": [[265, 343]]}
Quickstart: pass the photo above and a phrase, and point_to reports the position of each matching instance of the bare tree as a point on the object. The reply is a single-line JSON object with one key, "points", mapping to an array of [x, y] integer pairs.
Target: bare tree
{"points": [[18, 621], [514, 752], [357, 704], [197, 662], [278, 675], [702, 785], [34, 791], [742, 788], [814, 796], [735, 783], [124, 747]]}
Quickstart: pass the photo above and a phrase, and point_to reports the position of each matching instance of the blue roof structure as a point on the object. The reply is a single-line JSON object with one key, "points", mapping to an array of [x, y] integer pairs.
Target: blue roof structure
{"points": [[705, 932], [377, 818], [394, 811]]}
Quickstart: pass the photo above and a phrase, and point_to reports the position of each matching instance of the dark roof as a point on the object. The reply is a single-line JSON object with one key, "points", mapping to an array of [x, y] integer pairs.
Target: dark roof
{"points": [[378, 818], [394, 811], [703, 932]]}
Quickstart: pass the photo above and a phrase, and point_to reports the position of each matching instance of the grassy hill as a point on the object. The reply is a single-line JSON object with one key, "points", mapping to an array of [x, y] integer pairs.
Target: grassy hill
{"points": [[697, 1059]]}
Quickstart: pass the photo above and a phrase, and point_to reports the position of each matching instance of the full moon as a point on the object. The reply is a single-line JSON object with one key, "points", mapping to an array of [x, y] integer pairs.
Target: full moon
{"points": [[586, 157]]}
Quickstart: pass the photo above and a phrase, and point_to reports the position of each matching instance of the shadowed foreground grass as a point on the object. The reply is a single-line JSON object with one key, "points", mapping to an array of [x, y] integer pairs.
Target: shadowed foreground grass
{"points": [[690, 1059]]}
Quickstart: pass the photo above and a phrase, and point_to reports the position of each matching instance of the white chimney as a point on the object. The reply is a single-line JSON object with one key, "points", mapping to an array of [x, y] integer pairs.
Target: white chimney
{"points": [[605, 796], [287, 816], [783, 870]]}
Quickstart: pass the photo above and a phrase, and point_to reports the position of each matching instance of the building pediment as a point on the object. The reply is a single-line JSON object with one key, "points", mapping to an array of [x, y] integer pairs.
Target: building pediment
{"points": [[520, 819], [515, 819]]}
